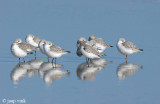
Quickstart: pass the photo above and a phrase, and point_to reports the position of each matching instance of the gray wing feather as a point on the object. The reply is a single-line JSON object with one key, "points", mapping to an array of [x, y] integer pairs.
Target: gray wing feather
{"points": [[90, 49], [129, 45], [55, 48], [26, 47], [101, 41]]}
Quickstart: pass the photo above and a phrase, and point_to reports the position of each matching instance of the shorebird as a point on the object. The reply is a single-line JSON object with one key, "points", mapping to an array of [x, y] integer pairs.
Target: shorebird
{"points": [[20, 49], [78, 52], [33, 41], [126, 47], [54, 51], [98, 43], [82, 39], [89, 52], [41, 47]]}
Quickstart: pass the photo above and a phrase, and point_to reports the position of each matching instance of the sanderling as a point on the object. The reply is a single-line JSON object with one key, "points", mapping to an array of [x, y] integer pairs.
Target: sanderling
{"points": [[78, 52], [41, 47], [33, 41], [54, 51], [20, 49], [82, 39], [98, 43], [89, 52], [127, 47]]}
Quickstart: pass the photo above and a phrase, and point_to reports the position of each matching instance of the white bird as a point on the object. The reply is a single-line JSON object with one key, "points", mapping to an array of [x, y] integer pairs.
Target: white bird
{"points": [[126, 47], [41, 47], [82, 39], [98, 43], [89, 52], [78, 52], [54, 51], [33, 41], [20, 49]]}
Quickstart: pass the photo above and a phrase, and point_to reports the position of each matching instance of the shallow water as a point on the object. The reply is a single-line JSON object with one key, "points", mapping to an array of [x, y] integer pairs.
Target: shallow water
{"points": [[107, 80]]}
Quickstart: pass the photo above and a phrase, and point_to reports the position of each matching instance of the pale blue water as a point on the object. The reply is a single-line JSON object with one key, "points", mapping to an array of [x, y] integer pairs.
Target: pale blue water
{"points": [[63, 22]]}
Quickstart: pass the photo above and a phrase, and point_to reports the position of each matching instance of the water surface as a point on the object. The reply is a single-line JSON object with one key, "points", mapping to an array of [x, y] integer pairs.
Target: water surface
{"points": [[108, 80]]}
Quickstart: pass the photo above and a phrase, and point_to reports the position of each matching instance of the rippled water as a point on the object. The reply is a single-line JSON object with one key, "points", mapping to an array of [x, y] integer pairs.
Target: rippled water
{"points": [[107, 80]]}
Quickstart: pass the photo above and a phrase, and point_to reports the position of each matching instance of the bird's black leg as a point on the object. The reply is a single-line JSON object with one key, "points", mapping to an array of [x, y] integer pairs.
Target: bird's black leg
{"points": [[24, 60], [88, 60], [19, 62], [35, 54], [126, 58], [52, 61]]}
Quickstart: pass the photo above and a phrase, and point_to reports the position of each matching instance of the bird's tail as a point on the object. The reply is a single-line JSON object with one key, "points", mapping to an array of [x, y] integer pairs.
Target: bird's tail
{"points": [[67, 51], [110, 46], [140, 50]]}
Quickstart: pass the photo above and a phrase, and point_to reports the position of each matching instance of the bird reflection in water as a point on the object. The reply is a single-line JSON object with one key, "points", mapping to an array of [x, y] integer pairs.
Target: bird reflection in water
{"points": [[89, 73], [25, 68], [19, 71], [35, 64], [127, 69], [50, 73], [45, 69]]}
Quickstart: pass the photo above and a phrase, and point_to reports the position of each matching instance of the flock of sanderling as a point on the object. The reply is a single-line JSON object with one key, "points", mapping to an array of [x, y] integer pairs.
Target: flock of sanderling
{"points": [[92, 48]]}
